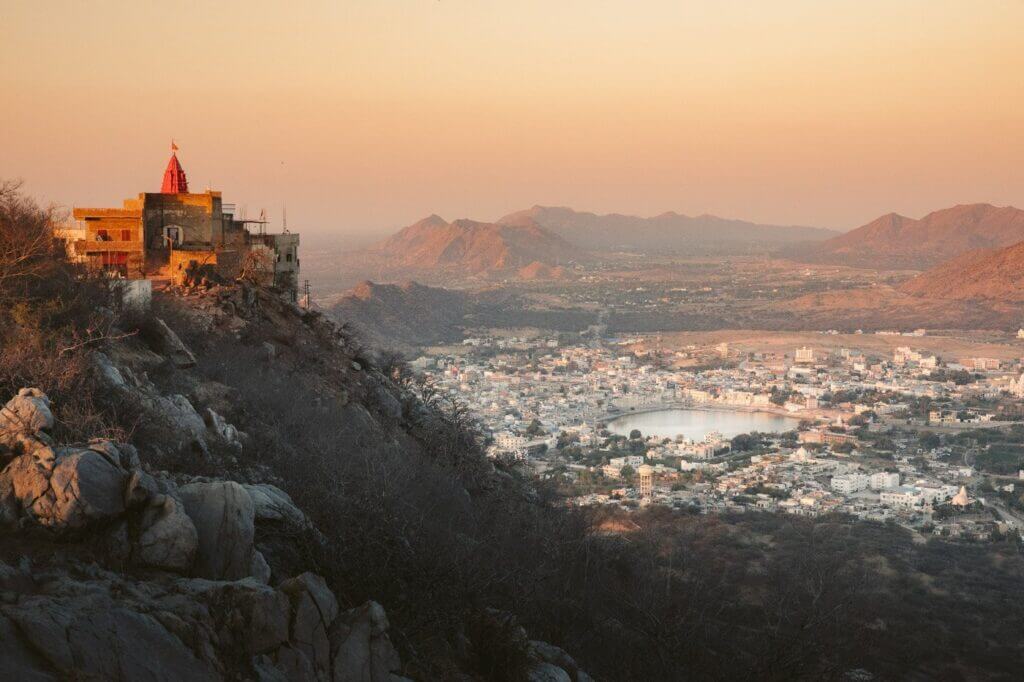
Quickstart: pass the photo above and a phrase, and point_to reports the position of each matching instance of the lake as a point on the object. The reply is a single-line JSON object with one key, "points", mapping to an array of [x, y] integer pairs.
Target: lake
{"points": [[695, 424]]}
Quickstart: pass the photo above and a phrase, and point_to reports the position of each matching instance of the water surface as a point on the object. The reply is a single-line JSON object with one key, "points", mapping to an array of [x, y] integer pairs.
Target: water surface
{"points": [[695, 423]]}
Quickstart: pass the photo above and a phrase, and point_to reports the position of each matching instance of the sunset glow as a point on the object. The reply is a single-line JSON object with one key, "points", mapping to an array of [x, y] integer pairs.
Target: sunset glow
{"points": [[370, 115]]}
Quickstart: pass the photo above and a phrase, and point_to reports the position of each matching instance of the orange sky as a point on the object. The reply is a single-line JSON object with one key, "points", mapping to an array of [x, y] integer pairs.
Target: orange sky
{"points": [[371, 114]]}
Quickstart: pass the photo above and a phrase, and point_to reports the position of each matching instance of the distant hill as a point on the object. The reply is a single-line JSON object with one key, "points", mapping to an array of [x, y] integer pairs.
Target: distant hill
{"points": [[467, 247], [992, 274], [668, 231], [897, 242], [538, 270], [400, 316]]}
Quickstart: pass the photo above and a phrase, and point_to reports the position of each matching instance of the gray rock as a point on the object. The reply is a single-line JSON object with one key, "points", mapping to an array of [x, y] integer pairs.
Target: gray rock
{"points": [[28, 412], [85, 486], [546, 672], [260, 568], [18, 660], [249, 617], [314, 609], [88, 635], [76, 487], [549, 653], [223, 514], [225, 431], [108, 372], [140, 489], [169, 344], [294, 664], [120, 455], [169, 539], [273, 504], [361, 649]]}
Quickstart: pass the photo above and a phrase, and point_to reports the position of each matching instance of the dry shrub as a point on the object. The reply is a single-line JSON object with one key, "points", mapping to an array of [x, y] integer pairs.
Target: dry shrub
{"points": [[50, 318]]}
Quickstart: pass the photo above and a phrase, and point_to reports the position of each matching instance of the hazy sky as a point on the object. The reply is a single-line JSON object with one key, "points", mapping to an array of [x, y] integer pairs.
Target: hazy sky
{"points": [[372, 114]]}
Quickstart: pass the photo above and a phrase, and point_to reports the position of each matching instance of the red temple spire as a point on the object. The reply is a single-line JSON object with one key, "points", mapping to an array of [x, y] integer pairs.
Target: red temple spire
{"points": [[174, 177]]}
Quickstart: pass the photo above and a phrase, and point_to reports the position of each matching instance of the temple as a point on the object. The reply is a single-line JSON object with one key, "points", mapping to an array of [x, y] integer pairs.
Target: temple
{"points": [[174, 234]]}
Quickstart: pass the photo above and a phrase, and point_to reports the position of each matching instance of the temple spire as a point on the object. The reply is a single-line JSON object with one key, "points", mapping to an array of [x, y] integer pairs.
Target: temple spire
{"points": [[175, 181]]}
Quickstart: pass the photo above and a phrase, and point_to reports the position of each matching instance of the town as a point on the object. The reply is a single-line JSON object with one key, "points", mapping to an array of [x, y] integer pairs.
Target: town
{"points": [[929, 443]]}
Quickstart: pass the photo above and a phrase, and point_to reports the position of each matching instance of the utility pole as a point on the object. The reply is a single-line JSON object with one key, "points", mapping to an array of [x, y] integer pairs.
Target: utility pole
{"points": [[305, 290]]}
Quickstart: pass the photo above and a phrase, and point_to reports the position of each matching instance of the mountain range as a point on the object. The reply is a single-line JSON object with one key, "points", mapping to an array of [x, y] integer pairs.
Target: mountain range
{"points": [[468, 247], [897, 242], [992, 274], [667, 231]]}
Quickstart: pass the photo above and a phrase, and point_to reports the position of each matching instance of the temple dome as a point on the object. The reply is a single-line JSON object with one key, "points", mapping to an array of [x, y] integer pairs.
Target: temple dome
{"points": [[175, 181]]}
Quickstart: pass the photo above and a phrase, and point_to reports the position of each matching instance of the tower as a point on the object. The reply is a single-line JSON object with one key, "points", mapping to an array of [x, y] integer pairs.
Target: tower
{"points": [[646, 472], [175, 181]]}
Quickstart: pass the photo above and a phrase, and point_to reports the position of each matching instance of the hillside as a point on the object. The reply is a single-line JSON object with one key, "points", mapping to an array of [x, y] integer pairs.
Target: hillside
{"points": [[400, 316], [224, 486], [668, 231], [991, 274], [467, 247], [897, 242]]}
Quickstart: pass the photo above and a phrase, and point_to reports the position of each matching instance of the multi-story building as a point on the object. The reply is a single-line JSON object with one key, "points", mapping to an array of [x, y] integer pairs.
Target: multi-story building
{"points": [[848, 484], [175, 232], [884, 480]]}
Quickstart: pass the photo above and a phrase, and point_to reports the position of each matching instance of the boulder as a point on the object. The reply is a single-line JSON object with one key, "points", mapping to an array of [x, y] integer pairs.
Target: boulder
{"points": [[121, 455], [547, 672], [88, 635], [140, 489], [549, 653], [273, 504], [223, 514], [361, 650], [169, 539], [28, 412], [85, 486], [314, 609], [167, 343], [18, 661], [108, 372], [75, 487], [260, 569], [225, 431], [249, 617]]}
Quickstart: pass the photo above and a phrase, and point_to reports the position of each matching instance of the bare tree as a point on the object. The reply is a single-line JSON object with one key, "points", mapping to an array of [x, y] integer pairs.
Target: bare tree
{"points": [[26, 241]]}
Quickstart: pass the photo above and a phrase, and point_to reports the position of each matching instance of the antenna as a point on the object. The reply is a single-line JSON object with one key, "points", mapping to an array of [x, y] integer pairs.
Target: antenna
{"points": [[284, 213]]}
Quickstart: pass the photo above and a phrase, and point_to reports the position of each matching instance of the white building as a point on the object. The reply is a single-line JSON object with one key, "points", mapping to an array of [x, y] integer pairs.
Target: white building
{"points": [[847, 484], [805, 355], [904, 497], [884, 480]]}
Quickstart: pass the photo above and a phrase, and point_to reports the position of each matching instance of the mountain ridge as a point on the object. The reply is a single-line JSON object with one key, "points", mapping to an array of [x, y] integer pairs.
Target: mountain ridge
{"points": [[668, 230], [990, 274], [896, 241], [471, 247]]}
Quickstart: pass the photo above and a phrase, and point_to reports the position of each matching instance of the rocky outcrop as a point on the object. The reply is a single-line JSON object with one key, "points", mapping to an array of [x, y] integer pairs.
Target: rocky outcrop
{"points": [[170, 539], [169, 344], [360, 648], [26, 413], [224, 517], [205, 528], [204, 611], [271, 504], [63, 488], [82, 622]]}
